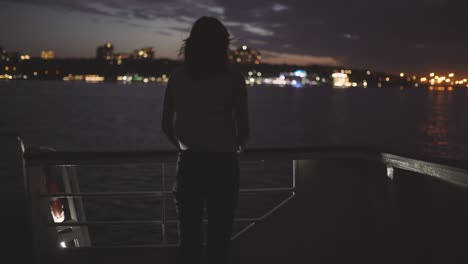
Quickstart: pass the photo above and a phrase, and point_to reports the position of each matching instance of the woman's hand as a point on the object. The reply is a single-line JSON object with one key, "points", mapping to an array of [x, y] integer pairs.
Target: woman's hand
{"points": [[240, 149]]}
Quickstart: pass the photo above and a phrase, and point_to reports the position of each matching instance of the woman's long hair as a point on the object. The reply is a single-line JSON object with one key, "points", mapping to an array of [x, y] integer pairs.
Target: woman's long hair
{"points": [[206, 49]]}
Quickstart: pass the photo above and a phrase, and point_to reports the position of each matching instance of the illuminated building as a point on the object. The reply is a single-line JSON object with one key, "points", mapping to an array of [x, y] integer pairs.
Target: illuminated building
{"points": [[245, 55], [47, 55], [341, 80], [146, 53], [105, 52], [93, 78], [120, 57]]}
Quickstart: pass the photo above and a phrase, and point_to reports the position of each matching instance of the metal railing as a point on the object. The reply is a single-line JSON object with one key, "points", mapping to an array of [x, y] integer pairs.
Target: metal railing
{"points": [[455, 172], [70, 160]]}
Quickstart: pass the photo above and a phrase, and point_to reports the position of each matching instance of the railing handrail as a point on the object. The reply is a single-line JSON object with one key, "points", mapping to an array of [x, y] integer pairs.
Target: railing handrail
{"points": [[455, 172], [80, 157]]}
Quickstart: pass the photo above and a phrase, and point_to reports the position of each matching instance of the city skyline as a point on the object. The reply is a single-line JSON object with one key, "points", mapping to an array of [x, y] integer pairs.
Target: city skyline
{"points": [[417, 37]]}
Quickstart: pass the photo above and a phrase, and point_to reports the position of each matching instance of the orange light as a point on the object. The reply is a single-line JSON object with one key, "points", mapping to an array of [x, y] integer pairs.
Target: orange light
{"points": [[432, 74]]}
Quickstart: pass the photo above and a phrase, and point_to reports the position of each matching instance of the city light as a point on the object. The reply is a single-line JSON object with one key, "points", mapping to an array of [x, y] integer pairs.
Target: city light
{"points": [[300, 73], [6, 77], [71, 77], [93, 78], [245, 55], [47, 55], [340, 80]]}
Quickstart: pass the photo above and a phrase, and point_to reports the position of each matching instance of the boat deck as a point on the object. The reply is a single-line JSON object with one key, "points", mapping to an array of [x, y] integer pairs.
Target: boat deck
{"points": [[350, 206], [347, 211]]}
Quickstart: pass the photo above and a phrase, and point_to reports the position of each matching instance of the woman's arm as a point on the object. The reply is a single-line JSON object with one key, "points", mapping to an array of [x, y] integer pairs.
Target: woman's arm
{"points": [[241, 112], [168, 115]]}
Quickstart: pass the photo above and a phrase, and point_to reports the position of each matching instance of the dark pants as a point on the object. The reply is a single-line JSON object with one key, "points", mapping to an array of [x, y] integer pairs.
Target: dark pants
{"points": [[211, 180]]}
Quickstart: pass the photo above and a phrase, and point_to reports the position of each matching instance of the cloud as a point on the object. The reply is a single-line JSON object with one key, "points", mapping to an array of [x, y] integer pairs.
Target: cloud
{"points": [[218, 10], [141, 9], [351, 36], [301, 59], [392, 30], [257, 30], [279, 7], [258, 42]]}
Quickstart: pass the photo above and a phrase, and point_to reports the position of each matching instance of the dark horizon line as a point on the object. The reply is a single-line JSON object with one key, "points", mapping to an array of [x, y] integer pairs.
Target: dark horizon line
{"points": [[335, 67]]}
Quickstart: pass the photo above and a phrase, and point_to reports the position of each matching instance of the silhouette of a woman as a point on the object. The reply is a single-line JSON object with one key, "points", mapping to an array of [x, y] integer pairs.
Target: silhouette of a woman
{"points": [[205, 116]]}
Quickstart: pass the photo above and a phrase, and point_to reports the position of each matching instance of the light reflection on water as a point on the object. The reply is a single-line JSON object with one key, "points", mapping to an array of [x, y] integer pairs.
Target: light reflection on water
{"points": [[445, 125]]}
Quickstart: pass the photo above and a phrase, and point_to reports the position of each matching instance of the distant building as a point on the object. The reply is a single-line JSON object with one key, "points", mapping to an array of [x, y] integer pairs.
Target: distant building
{"points": [[146, 53], [47, 55], [8, 56], [120, 57], [12, 56], [105, 52], [245, 55]]}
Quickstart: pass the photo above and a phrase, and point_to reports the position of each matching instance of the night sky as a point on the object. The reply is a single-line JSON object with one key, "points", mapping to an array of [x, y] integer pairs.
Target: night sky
{"points": [[413, 36]]}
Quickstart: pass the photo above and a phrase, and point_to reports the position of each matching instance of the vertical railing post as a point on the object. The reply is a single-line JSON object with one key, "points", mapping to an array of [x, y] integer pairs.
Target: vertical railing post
{"points": [[163, 207], [15, 202]]}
